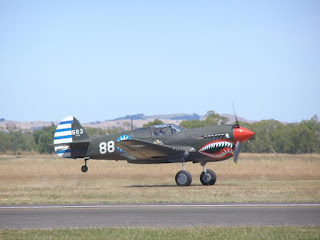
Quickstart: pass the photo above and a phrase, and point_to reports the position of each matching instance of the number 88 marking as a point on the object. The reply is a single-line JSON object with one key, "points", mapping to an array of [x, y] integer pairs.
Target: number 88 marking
{"points": [[104, 147]]}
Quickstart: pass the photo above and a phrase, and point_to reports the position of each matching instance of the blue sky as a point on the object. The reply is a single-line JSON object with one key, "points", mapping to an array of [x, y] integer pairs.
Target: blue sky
{"points": [[98, 60]]}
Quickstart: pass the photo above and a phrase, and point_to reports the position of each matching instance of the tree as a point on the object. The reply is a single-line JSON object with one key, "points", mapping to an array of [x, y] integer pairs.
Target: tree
{"points": [[192, 124], [4, 142], [212, 118], [44, 143], [16, 141], [44, 138], [273, 136], [95, 132], [155, 122]]}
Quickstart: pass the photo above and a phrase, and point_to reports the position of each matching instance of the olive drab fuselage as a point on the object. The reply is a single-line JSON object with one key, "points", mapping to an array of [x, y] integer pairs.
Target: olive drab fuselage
{"points": [[155, 144], [105, 148]]}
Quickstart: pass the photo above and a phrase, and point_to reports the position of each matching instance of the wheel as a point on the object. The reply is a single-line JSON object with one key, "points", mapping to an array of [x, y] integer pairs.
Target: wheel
{"points": [[208, 178], [183, 178], [84, 168]]}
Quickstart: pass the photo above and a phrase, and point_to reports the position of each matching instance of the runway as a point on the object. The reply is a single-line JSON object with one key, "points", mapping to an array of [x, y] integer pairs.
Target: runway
{"points": [[158, 215]]}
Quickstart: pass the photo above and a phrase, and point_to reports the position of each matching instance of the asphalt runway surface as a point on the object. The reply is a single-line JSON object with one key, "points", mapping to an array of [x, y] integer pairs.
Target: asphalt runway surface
{"points": [[158, 215]]}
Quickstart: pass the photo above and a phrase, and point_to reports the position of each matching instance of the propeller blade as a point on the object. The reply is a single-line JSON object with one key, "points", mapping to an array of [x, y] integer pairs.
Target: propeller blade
{"points": [[236, 152], [235, 116], [237, 122]]}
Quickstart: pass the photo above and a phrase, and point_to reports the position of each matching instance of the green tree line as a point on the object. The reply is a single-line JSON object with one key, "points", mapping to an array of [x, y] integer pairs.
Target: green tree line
{"points": [[18, 141], [271, 136], [212, 118]]}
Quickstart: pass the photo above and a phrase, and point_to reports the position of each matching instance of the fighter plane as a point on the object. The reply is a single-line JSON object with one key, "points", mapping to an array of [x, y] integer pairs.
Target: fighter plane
{"points": [[156, 144]]}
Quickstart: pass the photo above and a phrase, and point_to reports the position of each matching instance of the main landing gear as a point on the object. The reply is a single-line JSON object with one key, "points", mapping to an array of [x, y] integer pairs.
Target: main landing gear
{"points": [[207, 177], [84, 168], [184, 178]]}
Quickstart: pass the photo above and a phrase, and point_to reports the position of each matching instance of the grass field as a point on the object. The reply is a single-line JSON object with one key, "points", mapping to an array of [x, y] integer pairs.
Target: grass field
{"points": [[245, 233], [47, 179]]}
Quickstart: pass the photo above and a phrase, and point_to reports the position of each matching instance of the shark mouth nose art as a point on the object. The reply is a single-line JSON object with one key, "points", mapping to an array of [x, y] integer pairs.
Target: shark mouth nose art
{"points": [[218, 149]]}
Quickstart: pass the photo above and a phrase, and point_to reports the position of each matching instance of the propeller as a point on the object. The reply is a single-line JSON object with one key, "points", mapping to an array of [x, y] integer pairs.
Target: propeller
{"points": [[238, 143], [236, 152], [240, 135]]}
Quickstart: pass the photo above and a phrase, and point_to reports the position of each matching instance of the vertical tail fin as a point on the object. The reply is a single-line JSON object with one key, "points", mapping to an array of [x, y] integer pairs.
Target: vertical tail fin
{"points": [[69, 132]]}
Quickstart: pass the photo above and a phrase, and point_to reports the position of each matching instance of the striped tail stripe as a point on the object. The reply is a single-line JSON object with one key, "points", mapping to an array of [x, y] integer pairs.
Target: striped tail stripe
{"points": [[65, 122], [63, 151], [63, 137], [64, 126], [63, 130], [63, 134]]}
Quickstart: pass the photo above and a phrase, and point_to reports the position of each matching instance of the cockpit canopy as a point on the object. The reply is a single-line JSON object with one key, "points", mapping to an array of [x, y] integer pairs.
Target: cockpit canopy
{"points": [[165, 129], [155, 131]]}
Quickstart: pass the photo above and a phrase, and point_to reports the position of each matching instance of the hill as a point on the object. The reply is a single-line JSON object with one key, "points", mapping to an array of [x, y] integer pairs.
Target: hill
{"points": [[122, 122]]}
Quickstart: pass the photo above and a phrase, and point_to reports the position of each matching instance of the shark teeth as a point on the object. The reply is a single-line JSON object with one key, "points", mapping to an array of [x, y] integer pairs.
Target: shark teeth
{"points": [[217, 144], [220, 155], [227, 148]]}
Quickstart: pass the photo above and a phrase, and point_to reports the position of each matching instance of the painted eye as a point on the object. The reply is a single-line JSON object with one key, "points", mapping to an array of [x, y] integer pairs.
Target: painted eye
{"points": [[227, 135]]}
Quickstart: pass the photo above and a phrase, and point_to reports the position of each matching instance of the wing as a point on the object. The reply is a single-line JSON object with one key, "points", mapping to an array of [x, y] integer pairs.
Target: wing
{"points": [[142, 150]]}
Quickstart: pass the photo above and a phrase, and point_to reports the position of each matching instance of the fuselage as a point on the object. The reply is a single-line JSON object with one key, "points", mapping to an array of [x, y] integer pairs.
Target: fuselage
{"points": [[155, 144], [204, 144]]}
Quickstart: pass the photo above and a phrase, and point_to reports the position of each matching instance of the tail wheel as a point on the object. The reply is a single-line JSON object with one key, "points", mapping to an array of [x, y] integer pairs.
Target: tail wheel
{"points": [[208, 178], [183, 178], [84, 168]]}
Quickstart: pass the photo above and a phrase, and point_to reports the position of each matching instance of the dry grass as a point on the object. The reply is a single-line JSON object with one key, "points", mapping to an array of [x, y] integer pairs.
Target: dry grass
{"points": [[258, 178]]}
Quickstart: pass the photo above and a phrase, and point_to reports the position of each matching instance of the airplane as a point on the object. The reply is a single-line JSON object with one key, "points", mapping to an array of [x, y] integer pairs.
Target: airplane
{"points": [[166, 143]]}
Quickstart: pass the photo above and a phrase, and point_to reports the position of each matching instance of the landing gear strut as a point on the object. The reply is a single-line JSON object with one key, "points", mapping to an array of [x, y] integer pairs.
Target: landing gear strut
{"points": [[207, 177], [183, 177], [84, 168]]}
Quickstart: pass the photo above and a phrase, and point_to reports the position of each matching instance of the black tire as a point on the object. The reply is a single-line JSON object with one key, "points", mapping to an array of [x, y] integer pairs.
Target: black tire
{"points": [[183, 178], [84, 168], [208, 178]]}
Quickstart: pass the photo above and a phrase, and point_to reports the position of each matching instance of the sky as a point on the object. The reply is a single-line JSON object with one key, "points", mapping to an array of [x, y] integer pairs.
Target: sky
{"points": [[99, 60]]}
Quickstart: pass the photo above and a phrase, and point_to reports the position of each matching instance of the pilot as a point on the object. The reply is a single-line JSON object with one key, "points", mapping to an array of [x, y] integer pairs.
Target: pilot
{"points": [[155, 132], [162, 131]]}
